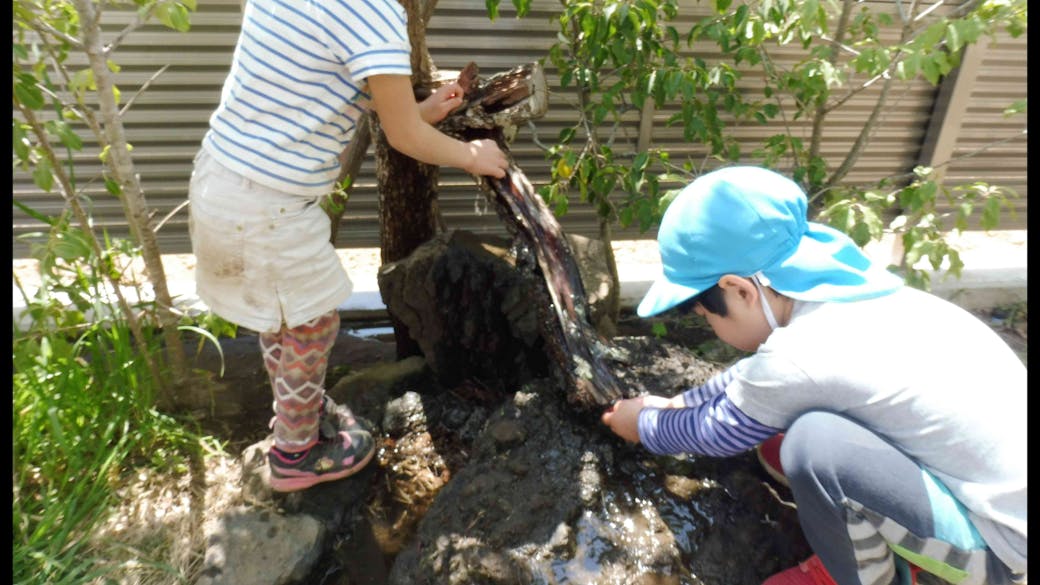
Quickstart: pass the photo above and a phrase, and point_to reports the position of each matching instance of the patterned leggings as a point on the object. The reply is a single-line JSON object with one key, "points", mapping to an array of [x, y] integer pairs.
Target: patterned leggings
{"points": [[296, 360], [866, 509]]}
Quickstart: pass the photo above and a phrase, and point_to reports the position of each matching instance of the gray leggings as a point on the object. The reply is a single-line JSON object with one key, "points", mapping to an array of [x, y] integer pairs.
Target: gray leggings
{"points": [[860, 500]]}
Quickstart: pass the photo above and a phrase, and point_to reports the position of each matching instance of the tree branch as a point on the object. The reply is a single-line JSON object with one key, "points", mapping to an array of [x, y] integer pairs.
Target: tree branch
{"points": [[139, 20], [868, 128], [146, 85], [43, 29], [769, 67], [821, 109]]}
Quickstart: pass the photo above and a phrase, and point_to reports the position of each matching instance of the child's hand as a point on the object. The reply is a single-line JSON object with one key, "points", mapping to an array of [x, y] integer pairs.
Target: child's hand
{"points": [[487, 159], [623, 418], [441, 102]]}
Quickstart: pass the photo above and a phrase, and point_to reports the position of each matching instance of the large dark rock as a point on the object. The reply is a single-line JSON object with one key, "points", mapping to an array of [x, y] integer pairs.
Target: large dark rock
{"points": [[548, 496], [468, 308]]}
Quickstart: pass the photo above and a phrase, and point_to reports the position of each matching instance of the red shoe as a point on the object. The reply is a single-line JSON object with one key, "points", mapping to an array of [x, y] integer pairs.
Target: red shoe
{"points": [[808, 572], [769, 456], [812, 572]]}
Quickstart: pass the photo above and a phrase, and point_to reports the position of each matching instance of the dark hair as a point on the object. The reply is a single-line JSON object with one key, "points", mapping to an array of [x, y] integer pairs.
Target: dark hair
{"points": [[710, 298]]}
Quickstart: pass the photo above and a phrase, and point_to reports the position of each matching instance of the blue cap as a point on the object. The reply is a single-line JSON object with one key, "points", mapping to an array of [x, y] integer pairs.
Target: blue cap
{"points": [[749, 220]]}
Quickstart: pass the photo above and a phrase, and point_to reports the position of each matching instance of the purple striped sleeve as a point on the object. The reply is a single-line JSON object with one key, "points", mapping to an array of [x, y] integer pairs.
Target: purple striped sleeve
{"points": [[716, 428]]}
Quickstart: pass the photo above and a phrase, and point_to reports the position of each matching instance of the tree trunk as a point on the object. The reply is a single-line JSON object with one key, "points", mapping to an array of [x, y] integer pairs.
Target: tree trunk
{"points": [[408, 212], [121, 166]]}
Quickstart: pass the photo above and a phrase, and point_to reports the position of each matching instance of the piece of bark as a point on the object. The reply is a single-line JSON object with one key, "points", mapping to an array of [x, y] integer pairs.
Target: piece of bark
{"points": [[571, 340], [490, 108]]}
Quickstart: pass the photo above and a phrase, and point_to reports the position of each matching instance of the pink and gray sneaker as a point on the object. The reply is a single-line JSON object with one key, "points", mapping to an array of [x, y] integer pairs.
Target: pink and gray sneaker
{"points": [[329, 459]]}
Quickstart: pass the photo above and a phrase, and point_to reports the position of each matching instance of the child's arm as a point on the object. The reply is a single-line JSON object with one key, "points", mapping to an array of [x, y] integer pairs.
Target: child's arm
{"points": [[716, 427], [409, 133]]}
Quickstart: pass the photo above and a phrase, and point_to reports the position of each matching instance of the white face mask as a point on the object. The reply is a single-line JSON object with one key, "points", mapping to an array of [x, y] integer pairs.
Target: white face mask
{"points": [[760, 280]]}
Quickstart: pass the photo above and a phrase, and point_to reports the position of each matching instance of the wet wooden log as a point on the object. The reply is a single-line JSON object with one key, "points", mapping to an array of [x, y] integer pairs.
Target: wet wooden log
{"points": [[491, 107], [573, 342]]}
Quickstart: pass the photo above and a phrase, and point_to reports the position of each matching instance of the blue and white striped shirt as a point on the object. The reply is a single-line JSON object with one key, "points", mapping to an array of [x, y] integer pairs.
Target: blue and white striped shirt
{"points": [[709, 425], [296, 87]]}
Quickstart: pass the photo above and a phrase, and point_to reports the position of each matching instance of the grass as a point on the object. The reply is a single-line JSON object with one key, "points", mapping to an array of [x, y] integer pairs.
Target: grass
{"points": [[84, 428], [83, 420]]}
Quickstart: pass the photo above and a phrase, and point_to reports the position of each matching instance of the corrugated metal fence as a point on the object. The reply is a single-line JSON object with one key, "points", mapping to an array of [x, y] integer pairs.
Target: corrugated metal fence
{"points": [[168, 120]]}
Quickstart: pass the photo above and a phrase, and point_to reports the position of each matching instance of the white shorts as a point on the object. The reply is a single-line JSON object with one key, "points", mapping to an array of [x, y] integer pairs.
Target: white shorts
{"points": [[263, 256]]}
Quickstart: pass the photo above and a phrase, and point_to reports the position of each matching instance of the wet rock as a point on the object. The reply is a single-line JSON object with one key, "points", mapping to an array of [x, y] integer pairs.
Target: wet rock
{"points": [[507, 433], [547, 497], [523, 511]]}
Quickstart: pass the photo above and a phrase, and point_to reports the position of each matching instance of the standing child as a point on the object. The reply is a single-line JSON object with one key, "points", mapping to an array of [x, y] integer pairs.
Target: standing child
{"points": [[904, 416], [302, 75]]}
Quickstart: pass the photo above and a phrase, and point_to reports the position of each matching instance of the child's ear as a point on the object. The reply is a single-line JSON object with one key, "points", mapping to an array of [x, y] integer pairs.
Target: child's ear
{"points": [[743, 288]]}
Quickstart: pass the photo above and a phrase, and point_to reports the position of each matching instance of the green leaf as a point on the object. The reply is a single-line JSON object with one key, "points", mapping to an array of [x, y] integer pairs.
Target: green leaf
{"points": [[860, 234], [639, 164], [1018, 107], [953, 37], [492, 8], [65, 134], [71, 245], [33, 213], [112, 186], [28, 94], [659, 329], [931, 70], [173, 15], [19, 141], [82, 80], [990, 214], [43, 175], [565, 78], [932, 35]]}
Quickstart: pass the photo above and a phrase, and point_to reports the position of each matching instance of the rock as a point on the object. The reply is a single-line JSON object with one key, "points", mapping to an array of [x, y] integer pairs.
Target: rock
{"points": [[464, 304], [404, 414], [546, 497], [231, 390], [367, 390], [255, 546], [471, 311]]}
